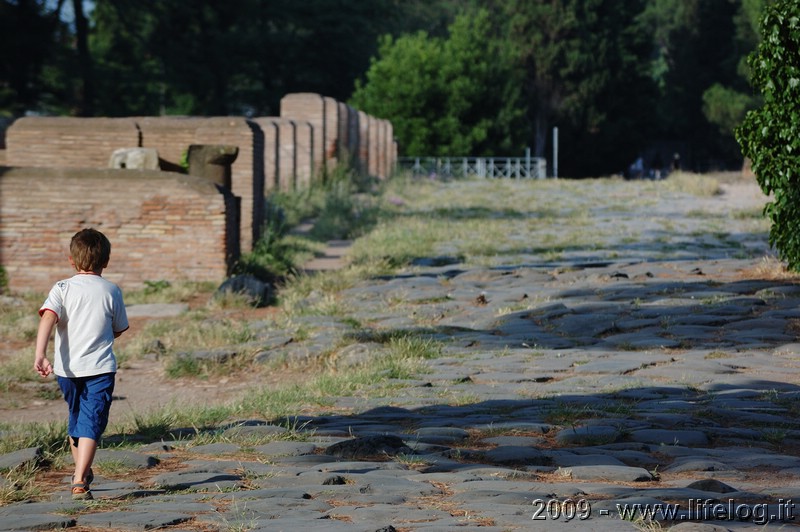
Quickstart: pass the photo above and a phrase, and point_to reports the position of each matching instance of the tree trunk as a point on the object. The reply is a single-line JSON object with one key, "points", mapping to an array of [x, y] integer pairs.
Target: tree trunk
{"points": [[85, 103]]}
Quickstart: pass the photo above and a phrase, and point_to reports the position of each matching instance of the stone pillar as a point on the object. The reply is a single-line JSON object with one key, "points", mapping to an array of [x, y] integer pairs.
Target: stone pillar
{"points": [[383, 149], [352, 136], [374, 140], [395, 154], [287, 158], [363, 142], [391, 148], [343, 151], [331, 133], [212, 162], [247, 171], [303, 154], [308, 107], [271, 155]]}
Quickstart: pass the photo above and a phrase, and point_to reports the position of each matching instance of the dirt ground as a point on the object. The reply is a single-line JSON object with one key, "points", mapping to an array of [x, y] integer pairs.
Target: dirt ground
{"points": [[141, 385]]}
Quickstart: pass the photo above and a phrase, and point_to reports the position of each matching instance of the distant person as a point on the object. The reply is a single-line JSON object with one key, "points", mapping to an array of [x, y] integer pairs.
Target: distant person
{"points": [[657, 166], [636, 169], [88, 313], [676, 162]]}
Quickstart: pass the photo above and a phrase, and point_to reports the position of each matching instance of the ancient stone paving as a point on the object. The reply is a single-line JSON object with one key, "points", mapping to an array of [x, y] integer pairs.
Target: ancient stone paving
{"points": [[567, 392]]}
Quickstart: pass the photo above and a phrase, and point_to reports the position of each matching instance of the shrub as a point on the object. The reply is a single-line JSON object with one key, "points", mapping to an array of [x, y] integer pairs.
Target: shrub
{"points": [[770, 135]]}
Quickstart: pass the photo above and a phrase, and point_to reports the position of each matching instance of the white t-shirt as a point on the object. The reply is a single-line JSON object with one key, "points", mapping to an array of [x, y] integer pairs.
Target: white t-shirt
{"points": [[89, 311]]}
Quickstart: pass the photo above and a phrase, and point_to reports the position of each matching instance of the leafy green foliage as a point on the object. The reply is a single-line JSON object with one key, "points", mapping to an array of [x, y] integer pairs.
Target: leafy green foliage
{"points": [[339, 208], [453, 96], [770, 135], [210, 58], [582, 64], [36, 64], [725, 107], [347, 211], [272, 256], [700, 75], [614, 75]]}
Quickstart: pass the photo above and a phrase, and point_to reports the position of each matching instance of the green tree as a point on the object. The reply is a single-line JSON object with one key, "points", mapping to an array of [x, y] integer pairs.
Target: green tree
{"points": [[211, 57], [85, 93], [582, 61], [701, 77], [403, 85], [726, 101], [119, 40], [170, 56], [36, 60], [770, 135], [446, 96]]}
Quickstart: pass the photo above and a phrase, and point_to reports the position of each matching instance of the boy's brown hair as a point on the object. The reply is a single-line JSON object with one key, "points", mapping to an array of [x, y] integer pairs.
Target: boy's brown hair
{"points": [[90, 250]]}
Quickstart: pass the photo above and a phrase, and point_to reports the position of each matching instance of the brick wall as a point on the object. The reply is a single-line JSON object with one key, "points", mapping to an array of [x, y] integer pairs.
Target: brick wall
{"points": [[304, 152], [308, 107], [270, 130], [66, 142], [287, 157], [162, 226], [391, 149], [170, 136], [372, 145], [331, 132], [363, 142], [247, 172], [283, 153]]}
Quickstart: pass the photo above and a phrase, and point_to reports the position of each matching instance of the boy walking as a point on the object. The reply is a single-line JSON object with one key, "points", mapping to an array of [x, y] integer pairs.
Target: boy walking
{"points": [[88, 313]]}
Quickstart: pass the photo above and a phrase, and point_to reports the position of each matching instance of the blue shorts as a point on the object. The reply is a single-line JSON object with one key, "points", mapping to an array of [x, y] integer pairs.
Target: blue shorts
{"points": [[89, 401]]}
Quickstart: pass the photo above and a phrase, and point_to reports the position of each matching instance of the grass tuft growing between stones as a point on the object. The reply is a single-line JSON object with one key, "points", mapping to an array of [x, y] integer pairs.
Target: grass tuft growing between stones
{"points": [[19, 484]]}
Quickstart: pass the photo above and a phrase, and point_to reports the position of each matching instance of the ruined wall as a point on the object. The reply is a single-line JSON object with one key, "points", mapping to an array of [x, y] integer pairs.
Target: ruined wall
{"points": [[363, 142], [287, 154], [162, 226], [172, 136], [283, 153], [373, 145], [331, 151], [304, 152], [308, 107], [271, 132], [341, 133], [391, 149], [247, 172], [352, 135], [66, 142]]}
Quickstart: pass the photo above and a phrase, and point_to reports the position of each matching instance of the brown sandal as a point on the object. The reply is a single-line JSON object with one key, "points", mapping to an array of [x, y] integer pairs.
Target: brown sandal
{"points": [[80, 492]]}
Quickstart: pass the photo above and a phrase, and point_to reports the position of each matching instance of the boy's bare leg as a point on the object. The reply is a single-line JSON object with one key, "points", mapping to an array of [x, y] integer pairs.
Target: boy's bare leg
{"points": [[83, 455]]}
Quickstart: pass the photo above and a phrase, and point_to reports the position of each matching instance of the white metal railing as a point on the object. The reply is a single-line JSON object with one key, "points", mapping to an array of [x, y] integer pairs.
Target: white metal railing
{"points": [[488, 167]]}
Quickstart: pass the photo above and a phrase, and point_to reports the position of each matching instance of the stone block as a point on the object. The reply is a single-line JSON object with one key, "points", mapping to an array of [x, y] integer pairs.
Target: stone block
{"points": [[134, 159]]}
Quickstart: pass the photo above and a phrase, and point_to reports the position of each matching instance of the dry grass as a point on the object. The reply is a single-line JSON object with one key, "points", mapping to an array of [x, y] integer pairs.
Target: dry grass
{"points": [[772, 269]]}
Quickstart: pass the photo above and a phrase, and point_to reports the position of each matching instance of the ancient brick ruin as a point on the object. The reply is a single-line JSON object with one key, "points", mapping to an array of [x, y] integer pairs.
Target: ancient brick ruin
{"points": [[164, 224]]}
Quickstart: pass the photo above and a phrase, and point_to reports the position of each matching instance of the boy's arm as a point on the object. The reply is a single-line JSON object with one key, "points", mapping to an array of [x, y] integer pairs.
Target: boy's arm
{"points": [[41, 365]]}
